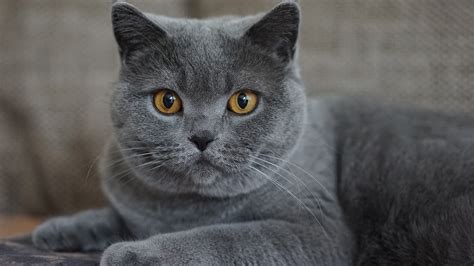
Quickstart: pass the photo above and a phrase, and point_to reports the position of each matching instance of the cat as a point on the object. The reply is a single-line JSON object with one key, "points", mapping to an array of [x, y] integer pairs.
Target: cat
{"points": [[199, 186], [218, 157]]}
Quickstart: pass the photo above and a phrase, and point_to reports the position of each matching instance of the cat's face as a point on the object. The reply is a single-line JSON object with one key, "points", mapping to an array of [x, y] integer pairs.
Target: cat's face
{"points": [[203, 146]]}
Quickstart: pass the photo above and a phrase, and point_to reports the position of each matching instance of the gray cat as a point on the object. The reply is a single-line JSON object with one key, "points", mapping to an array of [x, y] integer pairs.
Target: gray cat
{"points": [[219, 158]]}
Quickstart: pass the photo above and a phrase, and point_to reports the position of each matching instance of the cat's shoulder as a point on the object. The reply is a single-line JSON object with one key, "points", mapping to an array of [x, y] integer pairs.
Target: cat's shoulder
{"points": [[376, 114]]}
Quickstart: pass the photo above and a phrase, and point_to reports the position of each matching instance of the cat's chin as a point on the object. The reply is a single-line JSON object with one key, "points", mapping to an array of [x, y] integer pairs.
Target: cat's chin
{"points": [[203, 173]]}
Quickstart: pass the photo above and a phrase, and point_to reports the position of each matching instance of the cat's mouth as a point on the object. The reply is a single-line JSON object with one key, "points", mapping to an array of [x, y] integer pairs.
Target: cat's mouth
{"points": [[206, 162], [218, 164], [204, 172]]}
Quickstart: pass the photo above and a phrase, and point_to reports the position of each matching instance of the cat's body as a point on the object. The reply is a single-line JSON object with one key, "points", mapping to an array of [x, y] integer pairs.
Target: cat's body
{"points": [[239, 201], [406, 183]]}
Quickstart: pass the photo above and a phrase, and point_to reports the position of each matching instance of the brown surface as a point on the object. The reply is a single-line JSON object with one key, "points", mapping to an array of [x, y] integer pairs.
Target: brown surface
{"points": [[20, 251], [17, 225]]}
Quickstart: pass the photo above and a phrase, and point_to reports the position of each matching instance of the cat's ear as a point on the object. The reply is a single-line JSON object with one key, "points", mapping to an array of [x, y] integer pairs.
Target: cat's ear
{"points": [[277, 31], [134, 31]]}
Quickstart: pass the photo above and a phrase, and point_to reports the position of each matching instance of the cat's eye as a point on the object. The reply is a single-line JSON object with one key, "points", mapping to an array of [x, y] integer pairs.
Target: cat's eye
{"points": [[167, 102], [243, 102]]}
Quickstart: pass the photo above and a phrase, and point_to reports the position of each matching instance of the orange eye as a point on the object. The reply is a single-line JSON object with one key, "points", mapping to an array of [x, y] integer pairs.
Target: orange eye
{"points": [[167, 102], [243, 102]]}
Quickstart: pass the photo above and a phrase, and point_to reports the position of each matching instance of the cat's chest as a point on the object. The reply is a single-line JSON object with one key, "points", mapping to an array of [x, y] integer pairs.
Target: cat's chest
{"points": [[313, 160], [171, 214]]}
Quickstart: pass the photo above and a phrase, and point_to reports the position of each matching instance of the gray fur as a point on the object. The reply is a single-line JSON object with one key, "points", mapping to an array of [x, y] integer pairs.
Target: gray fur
{"points": [[406, 182], [245, 203], [223, 210]]}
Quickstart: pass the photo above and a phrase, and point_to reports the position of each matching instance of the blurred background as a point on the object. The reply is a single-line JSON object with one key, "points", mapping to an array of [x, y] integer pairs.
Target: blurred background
{"points": [[58, 61]]}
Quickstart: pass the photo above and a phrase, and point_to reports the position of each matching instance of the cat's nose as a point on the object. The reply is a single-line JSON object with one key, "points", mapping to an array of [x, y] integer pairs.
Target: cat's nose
{"points": [[202, 139]]}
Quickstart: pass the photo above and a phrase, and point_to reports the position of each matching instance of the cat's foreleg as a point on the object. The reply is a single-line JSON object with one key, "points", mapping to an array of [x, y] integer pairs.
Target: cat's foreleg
{"points": [[269, 242], [86, 231]]}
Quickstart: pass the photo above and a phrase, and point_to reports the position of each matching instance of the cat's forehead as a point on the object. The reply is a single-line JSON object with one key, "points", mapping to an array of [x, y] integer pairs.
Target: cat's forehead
{"points": [[207, 54], [200, 41], [232, 26]]}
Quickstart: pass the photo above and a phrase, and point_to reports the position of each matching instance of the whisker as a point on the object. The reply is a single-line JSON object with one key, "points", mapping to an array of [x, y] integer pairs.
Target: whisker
{"points": [[302, 170], [315, 197], [162, 163], [157, 166], [286, 179], [118, 175], [136, 167], [294, 196], [89, 170], [126, 158]]}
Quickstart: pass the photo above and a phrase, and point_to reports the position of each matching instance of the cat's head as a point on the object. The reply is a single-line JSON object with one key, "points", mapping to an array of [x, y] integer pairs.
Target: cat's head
{"points": [[198, 101]]}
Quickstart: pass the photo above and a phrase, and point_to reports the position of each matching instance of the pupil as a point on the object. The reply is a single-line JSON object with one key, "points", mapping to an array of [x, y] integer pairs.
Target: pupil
{"points": [[168, 100], [242, 100]]}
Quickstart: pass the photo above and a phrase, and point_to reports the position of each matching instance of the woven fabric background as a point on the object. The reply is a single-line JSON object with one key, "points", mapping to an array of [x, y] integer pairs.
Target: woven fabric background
{"points": [[58, 61]]}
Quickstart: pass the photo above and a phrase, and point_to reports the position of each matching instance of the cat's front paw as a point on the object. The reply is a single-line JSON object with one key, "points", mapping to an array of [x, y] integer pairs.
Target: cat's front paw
{"points": [[70, 234], [152, 252], [128, 253]]}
